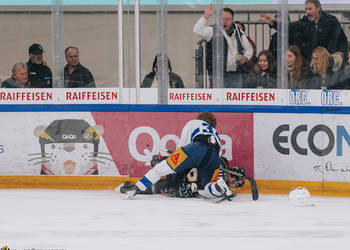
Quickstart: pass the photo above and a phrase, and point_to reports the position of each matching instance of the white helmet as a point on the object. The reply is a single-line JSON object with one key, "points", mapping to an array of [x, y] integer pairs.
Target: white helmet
{"points": [[300, 197]]}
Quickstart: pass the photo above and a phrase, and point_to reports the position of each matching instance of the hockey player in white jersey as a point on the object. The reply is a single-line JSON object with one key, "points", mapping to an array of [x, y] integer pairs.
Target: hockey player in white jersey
{"points": [[197, 158]]}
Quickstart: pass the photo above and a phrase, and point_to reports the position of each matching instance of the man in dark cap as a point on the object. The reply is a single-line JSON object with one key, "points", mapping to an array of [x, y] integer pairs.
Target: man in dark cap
{"points": [[39, 74]]}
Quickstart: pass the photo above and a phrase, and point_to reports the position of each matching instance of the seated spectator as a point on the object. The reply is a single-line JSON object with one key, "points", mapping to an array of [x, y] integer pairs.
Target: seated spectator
{"points": [[328, 71], [19, 77], [264, 73], [151, 79], [252, 61], [298, 72], [75, 74], [40, 75]]}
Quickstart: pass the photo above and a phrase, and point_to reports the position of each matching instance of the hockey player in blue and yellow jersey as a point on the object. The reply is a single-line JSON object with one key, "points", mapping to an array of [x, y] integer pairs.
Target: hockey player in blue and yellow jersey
{"points": [[198, 157]]}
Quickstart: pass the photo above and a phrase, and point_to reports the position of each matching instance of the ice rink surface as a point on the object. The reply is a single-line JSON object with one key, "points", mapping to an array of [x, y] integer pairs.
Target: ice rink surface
{"points": [[74, 219]]}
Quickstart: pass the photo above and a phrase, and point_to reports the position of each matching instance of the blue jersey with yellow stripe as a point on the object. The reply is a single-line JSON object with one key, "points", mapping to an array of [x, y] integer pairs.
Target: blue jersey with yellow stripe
{"points": [[196, 155]]}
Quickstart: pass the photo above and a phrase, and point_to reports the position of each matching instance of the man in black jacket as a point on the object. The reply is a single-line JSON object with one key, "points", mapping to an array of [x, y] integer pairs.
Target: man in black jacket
{"points": [[39, 74], [75, 74], [318, 28]]}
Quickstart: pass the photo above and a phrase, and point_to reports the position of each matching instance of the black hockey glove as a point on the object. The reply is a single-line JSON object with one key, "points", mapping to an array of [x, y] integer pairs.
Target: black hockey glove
{"points": [[156, 159]]}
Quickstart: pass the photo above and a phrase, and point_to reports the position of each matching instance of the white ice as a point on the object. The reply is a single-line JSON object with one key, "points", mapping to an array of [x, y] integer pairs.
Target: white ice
{"points": [[75, 219]]}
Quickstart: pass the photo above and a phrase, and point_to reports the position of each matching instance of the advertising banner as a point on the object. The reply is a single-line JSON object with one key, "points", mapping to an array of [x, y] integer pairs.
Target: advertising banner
{"points": [[49, 143], [304, 147], [132, 138], [107, 143], [59, 96], [257, 97]]}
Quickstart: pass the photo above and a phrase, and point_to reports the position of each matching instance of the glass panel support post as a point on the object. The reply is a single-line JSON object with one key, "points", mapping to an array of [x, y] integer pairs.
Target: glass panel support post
{"points": [[57, 43]]}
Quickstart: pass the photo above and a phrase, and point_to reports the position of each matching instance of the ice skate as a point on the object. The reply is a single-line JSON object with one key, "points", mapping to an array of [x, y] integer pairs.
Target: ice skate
{"points": [[131, 193]]}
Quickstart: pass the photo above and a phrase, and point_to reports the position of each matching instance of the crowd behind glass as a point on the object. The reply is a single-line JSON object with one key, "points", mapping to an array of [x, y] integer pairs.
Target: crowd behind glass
{"points": [[318, 56]]}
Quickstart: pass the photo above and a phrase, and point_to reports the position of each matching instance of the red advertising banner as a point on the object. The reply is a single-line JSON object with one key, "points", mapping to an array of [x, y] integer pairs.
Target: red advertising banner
{"points": [[133, 137]]}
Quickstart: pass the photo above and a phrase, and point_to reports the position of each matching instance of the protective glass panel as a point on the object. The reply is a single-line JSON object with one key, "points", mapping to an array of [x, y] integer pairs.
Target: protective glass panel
{"points": [[265, 42], [90, 45], [153, 50], [231, 37], [26, 39]]}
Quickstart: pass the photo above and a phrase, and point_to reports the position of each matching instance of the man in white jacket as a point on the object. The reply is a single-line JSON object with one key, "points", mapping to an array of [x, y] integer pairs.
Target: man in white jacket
{"points": [[236, 48]]}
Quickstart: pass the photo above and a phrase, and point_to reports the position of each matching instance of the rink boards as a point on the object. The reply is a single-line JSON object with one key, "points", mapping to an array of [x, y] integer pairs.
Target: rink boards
{"points": [[282, 146]]}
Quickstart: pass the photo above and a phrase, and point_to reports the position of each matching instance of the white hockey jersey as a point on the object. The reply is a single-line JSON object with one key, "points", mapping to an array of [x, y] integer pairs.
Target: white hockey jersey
{"points": [[194, 128]]}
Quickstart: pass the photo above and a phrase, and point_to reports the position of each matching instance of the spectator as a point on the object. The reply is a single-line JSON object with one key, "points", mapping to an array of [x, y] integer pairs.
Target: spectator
{"points": [[19, 77], [40, 75], [252, 61], [298, 72], [151, 79], [318, 28], [75, 74], [273, 40], [264, 73], [327, 70], [237, 49]]}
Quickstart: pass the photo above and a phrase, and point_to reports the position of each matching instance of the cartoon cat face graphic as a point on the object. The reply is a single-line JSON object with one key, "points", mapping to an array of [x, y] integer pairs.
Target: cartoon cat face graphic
{"points": [[69, 147], [69, 159]]}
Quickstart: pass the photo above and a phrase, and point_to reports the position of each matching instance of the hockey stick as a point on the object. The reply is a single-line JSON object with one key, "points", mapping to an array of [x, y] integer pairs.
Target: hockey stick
{"points": [[254, 187], [226, 197], [217, 200]]}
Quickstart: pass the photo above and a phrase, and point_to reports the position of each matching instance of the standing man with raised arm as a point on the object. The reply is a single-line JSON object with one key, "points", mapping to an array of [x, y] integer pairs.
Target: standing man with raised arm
{"points": [[316, 28], [236, 51]]}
